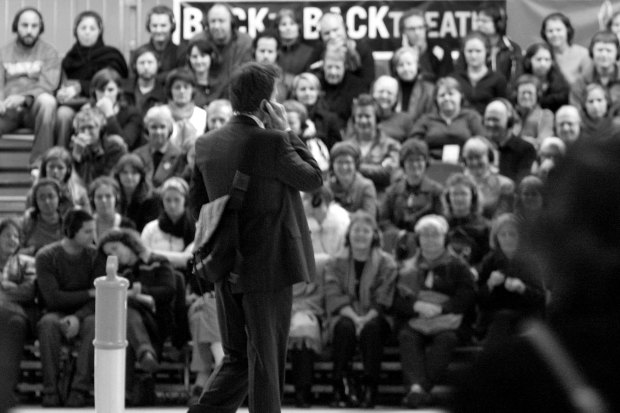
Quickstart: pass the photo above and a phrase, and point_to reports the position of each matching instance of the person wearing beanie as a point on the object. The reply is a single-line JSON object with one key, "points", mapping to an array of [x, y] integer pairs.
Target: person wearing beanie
{"points": [[434, 290], [351, 190], [411, 197]]}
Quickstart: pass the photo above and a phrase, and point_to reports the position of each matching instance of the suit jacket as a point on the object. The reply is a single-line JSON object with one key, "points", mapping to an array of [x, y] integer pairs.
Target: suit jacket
{"points": [[274, 239]]}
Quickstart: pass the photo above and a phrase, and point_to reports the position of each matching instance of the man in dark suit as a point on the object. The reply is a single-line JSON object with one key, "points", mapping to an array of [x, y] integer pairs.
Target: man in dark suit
{"points": [[254, 302]]}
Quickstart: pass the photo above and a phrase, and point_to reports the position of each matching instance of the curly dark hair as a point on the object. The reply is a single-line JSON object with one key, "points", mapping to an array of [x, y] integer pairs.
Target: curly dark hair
{"points": [[126, 236]]}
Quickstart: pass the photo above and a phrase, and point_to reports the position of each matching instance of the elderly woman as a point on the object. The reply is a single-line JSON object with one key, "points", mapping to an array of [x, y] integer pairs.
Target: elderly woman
{"points": [[190, 119], [434, 291], [94, 151], [480, 84], [507, 292], [86, 57], [162, 159], [42, 223], [351, 190], [469, 230], [496, 191], [572, 59], [416, 93], [18, 311], [451, 123], [539, 61], [551, 151], [536, 122], [379, 152], [412, 197], [138, 201], [394, 123], [600, 119], [150, 296], [307, 90], [359, 287]]}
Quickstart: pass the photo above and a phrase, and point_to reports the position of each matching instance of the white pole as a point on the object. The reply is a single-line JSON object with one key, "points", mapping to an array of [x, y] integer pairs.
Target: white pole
{"points": [[110, 339]]}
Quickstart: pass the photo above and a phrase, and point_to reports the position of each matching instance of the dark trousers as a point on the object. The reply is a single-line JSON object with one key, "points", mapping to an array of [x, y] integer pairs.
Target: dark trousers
{"points": [[302, 368], [425, 358], [51, 340], [139, 341], [254, 328], [371, 341], [14, 331]]}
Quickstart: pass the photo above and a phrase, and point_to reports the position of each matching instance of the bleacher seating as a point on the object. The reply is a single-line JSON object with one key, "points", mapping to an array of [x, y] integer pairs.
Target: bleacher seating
{"points": [[15, 178]]}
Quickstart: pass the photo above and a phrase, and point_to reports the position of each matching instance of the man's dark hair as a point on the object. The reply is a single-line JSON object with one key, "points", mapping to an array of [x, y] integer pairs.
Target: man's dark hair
{"points": [[73, 221], [250, 84]]}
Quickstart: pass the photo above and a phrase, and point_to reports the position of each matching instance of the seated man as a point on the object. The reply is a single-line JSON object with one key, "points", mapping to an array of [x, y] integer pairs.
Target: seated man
{"points": [[29, 73], [568, 124], [66, 270], [147, 89]]}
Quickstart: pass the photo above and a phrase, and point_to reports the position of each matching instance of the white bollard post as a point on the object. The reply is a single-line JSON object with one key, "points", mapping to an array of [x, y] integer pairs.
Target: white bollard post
{"points": [[110, 339]]}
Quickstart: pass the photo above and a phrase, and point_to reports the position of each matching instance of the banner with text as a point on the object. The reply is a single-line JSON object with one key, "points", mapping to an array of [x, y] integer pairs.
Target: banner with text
{"points": [[376, 21]]}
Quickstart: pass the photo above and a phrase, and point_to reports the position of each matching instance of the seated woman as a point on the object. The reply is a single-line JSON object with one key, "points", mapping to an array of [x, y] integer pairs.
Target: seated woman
{"points": [[294, 55], [18, 310], [480, 84], [507, 292], [416, 93], [411, 197], [469, 231], [149, 304], [529, 201], [394, 123], [86, 57], [435, 289], [123, 118], [138, 202], [451, 123], [550, 152], [201, 55], [379, 152], [297, 117], [540, 62], [56, 164], [328, 223], [94, 151], [536, 122], [599, 117], [42, 223], [496, 191], [190, 120], [161, 158], [307, 90], [359, 287], [351, 190], [104, 194]]}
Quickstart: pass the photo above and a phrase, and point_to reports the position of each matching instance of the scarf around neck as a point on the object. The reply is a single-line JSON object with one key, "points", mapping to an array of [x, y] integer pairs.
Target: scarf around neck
{"points": [[83, 62], [184, 228]]}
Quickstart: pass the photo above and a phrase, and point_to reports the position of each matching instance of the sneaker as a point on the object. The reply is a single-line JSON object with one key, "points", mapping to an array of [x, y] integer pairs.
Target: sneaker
{"points": [[50, 400], [416, 397]]}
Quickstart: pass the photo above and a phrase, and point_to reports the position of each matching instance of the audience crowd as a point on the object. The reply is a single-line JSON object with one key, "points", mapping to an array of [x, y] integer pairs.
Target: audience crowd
{"points": [[431, 172]]}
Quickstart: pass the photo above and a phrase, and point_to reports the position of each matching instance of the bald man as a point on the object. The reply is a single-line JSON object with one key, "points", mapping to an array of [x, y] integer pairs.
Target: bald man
{"points": [[515, 154], [568, 123], [396, 125]]}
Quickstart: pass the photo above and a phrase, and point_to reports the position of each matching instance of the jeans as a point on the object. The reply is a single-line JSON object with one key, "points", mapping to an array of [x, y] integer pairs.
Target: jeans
{"points": [[51, 339]]}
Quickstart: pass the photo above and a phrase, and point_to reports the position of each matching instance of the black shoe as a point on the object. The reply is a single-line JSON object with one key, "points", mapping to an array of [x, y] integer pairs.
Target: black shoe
{"points": [[76, 399], [302, 400], [345, 393], [369, 396], [416, 397], [51, 400], [144, 392]]}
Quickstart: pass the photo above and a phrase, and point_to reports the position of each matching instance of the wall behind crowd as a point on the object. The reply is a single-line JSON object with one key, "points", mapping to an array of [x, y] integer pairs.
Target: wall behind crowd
{"points": [[449, 20]]}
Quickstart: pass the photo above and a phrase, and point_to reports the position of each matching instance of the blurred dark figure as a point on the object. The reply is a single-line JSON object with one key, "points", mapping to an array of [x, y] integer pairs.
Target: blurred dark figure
{"points": [[574, 242]]}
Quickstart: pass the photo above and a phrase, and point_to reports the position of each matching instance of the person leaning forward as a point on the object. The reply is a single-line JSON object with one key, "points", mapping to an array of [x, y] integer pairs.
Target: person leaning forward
{"points": [[254, 304]]}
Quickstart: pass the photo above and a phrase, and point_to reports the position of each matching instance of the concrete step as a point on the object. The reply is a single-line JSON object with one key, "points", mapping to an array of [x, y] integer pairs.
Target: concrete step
{"points": [[13, 160], [19, 179]]}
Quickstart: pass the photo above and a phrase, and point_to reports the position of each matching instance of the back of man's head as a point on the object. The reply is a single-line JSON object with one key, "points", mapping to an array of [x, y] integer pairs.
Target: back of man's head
{"points": [[250, 84]]}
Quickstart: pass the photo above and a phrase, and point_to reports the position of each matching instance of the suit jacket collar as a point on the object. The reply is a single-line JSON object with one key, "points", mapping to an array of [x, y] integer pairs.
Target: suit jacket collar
{"points": [[244, 120]]}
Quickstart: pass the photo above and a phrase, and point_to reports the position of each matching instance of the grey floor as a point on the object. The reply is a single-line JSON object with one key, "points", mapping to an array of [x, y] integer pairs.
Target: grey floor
{"points": [[38, 409]]}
